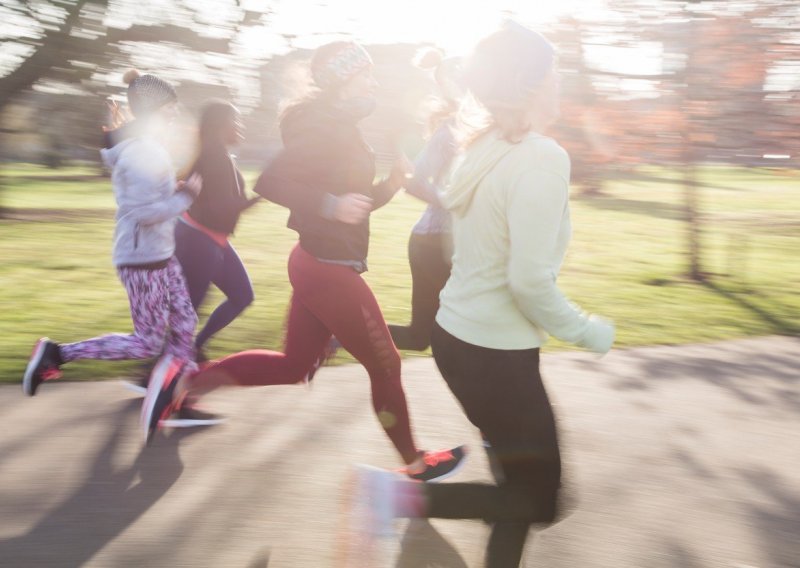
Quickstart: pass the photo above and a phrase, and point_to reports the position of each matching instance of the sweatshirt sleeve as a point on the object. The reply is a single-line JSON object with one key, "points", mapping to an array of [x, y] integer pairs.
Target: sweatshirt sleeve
{"points": [[382, 193], [288, 179], [162, 210], [150, 187], [535, 211], [434, 157]]}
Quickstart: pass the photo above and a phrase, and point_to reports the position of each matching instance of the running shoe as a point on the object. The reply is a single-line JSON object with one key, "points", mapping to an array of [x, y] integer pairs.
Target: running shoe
{"points": [[43, 366], [377, 494], [191, 416], [440, 465], [139, 386], [160, 400]]}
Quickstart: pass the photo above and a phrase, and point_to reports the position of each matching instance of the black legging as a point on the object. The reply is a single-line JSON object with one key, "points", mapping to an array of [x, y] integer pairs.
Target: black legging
{"points": [[430, 269], [502, 394]]}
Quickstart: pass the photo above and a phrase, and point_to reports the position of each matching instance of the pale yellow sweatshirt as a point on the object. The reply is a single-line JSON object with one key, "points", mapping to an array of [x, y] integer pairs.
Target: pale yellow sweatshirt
{"points": [[511, 228]]}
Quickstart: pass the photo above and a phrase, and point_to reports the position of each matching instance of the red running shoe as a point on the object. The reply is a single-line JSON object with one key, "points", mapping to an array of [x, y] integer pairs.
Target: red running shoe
{"points": [[440, 465], [43, 366]]}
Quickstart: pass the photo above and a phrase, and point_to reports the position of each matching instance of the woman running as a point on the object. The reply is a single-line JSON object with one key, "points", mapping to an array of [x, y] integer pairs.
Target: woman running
{"points": [[511, 227], [325, 176], [149, 200], [201, 237], [430, 247]]}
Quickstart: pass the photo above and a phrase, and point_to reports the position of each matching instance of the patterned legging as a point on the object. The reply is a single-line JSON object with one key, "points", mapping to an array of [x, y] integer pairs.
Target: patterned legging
{"points": [[163, 319]]}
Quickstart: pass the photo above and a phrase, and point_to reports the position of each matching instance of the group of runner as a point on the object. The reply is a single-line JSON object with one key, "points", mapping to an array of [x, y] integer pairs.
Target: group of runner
{"points": [[484, 259]]}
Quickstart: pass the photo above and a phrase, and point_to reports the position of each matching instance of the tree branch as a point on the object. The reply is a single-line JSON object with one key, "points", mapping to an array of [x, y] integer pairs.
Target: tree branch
{"points": [[168, 32], [53, 50]]}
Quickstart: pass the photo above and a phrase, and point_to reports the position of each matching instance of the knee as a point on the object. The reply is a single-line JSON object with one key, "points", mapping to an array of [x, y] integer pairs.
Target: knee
{"points": [[244, 298], [152, 347], [247, 298]]}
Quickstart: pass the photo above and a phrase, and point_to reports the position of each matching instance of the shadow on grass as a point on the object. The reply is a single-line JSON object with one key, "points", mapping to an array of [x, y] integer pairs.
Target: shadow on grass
{"points": [[104, 506], [38, 215], [779, 325], [636, 206]]}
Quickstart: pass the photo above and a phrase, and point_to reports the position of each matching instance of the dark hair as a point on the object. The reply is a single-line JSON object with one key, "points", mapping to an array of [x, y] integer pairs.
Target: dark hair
{"points": [[215, 117]]}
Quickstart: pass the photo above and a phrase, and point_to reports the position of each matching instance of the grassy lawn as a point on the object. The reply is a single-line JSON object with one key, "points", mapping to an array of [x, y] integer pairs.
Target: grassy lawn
{"points": [[626, 262]]}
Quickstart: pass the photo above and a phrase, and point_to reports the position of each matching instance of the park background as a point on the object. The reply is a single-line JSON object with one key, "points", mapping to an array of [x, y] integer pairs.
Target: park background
{"points": [[682, 120]]}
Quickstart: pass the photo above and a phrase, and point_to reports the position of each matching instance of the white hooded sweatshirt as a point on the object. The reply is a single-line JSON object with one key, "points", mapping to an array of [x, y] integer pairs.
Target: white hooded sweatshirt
{"points": [[511, 228]]}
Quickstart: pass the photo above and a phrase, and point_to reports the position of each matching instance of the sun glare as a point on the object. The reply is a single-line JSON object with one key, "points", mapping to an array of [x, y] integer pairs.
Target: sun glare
{"points": [[452, 25]]}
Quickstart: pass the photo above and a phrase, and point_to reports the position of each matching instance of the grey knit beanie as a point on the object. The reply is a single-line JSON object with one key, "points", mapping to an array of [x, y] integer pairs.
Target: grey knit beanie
{"points": [[507, 65], [335, 63], [147, 93]]}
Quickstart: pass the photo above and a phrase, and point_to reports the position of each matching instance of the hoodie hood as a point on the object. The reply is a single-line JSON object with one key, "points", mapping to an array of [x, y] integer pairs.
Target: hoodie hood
{"points": [[476, 163], [111, 155]]}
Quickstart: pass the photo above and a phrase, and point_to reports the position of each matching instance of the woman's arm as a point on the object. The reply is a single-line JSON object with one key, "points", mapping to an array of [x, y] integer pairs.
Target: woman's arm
{"points": [[535, 211], [383, 191], [288, 179], [430, 165]]}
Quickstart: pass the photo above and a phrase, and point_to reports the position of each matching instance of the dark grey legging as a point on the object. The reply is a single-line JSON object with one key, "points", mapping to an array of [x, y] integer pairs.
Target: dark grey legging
{"points": [[204, 262], [502, 394], [430, 269]]}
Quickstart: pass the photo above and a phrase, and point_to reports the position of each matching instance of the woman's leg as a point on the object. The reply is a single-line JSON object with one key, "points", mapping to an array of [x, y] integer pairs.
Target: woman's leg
{"points": [[306, 338], [430, 270], [503, 395], [343, 301], [148, 295], [327, 298], [200, 259], [182, 317], [232, 279]]}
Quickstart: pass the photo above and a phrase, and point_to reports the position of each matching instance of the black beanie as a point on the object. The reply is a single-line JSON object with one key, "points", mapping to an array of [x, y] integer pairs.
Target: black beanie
{"points": [[147, 93]]}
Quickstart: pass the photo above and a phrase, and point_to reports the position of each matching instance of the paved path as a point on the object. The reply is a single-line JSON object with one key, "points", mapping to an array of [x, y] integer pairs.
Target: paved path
{"points": [[680, 457]]}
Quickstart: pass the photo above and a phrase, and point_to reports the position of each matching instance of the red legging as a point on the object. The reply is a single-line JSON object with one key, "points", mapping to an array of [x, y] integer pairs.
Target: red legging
{"points": [[331, 299]]}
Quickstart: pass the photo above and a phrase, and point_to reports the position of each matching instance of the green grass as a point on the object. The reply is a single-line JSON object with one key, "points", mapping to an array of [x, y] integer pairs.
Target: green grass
{"points": [[626, 262]]}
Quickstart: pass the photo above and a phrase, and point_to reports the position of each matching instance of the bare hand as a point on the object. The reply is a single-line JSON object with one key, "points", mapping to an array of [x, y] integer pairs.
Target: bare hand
{"points": [[352, 208], [193, 185], [402, 170]]}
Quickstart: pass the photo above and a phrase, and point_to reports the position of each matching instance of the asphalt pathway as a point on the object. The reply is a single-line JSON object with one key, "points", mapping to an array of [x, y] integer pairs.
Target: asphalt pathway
{"points": [[682, 457]]}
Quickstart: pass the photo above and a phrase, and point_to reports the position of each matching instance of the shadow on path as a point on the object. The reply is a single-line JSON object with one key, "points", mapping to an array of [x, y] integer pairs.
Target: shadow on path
{"points": [[776, 516], [423, 547], [106, 504]]}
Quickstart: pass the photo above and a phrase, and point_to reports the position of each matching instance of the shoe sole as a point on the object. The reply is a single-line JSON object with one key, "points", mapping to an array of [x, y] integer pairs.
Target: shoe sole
{"points": [[191, 422], [134, 387], [153, 390], [36, 358], [370, 481]]}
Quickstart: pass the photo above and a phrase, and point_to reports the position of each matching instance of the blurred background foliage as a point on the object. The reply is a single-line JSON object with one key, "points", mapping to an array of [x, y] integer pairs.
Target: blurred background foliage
{"points": [[682, 119]]}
